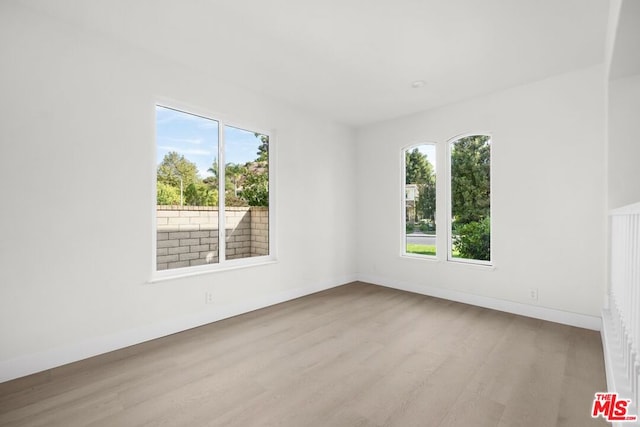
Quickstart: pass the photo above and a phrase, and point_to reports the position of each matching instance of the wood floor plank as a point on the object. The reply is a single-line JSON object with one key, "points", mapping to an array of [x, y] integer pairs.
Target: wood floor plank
{"points": [[356, 355]]}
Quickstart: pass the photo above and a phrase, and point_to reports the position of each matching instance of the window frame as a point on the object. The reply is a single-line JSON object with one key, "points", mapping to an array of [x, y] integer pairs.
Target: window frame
{"points": [[444, 198], [449, 198], [223, 264], [403, 204]]}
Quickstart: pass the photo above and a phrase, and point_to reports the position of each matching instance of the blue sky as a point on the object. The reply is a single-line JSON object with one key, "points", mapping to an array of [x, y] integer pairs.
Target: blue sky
{"points": [[196, 138], [430, 151]]}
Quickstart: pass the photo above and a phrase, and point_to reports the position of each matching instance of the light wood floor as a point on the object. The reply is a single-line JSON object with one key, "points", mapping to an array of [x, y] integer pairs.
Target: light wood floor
{"points": [[357, 355]]}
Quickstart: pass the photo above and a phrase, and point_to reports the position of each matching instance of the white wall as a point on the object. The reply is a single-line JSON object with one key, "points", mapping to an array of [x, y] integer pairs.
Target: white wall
{"points": [[624, 141], [76, 178], [548, 201], [622, 81], [76, 143], [623, 84]]}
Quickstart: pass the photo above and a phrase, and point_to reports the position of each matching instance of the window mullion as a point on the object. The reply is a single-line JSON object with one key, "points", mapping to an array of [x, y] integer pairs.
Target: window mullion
{"points": [[221, 195], [209, 231]]}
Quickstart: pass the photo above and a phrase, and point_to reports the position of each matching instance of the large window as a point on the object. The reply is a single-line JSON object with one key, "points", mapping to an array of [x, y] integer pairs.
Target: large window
{"points": [[420, 200], [468, 196], [212, 186]]}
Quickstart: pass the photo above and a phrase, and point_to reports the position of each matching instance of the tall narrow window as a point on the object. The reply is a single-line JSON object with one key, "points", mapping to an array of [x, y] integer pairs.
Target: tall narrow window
{"points": [[212, 186], [470, 226], [420, 200], [247, 185]]}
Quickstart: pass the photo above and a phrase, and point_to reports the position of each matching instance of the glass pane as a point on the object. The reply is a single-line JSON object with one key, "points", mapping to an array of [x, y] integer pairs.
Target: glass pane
{"points": [[471, 198], [246, 209], [187, 189], [420, 200]]}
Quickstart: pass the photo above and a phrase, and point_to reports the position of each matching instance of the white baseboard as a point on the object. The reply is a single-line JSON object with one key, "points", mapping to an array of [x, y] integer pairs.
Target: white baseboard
{"points": [[37, 362], [536, 312]]}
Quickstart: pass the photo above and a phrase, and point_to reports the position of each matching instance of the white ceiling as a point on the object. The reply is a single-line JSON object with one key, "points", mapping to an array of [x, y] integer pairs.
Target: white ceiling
{"points": [[354, 60]]}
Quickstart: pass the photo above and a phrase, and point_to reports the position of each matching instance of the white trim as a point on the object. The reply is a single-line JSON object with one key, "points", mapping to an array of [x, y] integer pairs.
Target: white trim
{"points": [[626, 210], [470, 261], [403, 203], [432, 258], [154, 192], [620, 316], [37, 362], [449, 222], [273, 162], [610, 351], [403, 197], [199, 270], [536, 312], [223, 263], [614, 365], [222, 196], [478, 265]]}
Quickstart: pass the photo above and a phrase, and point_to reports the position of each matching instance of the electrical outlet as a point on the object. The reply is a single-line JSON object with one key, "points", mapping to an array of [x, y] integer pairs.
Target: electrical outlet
{"points": [[208, 297], [533, 294]]}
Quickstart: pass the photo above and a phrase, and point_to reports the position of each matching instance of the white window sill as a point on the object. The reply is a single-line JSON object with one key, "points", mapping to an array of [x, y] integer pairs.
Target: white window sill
{"points": [[180, 273], [482, 265]]}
